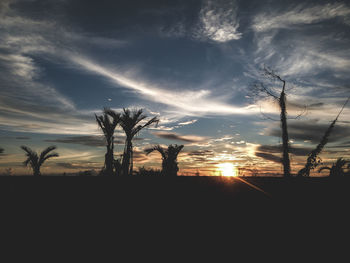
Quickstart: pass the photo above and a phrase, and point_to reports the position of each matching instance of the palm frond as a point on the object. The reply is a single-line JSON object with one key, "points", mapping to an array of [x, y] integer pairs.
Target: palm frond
{"points": [[26, 162], [47, 150], [156, 148], [45, 154], [32, 157], [106, 125], [48, 157], [115, 116], [178, 148], [29, 151], [99, 120], [140, 127]]}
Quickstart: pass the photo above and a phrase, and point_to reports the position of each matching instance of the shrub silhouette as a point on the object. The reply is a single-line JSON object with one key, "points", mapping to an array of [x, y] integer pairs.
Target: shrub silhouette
{"points": [[130, 123], [337, 169], [169, 158], [35, 161], [108, 123], [148, 172]]}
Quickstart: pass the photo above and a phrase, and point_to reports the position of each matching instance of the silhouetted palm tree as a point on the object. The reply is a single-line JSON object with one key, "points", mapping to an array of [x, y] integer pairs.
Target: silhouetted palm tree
{"points": [[36, 161], [169, 158], [108, 127], [129, 121], [337, 169]]}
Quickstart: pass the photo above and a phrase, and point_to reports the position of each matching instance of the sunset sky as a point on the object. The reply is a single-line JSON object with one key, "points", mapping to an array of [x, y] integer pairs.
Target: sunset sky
{"points": [[191, 63]]}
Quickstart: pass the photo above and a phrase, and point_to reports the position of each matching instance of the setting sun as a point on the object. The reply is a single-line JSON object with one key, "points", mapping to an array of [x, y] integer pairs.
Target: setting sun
{"points": [[227, 169]]}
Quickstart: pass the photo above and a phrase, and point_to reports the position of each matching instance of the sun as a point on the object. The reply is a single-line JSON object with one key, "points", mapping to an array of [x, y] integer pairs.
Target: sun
{"points": [[227, 169]]}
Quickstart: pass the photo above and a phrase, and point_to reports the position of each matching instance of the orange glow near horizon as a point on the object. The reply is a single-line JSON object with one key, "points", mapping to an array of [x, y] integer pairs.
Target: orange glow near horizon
{"points": [[227, 169]]}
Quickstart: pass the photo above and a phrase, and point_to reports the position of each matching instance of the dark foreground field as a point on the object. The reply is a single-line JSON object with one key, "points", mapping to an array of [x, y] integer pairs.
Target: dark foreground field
{"points": [[181, 193], [154, 212]]}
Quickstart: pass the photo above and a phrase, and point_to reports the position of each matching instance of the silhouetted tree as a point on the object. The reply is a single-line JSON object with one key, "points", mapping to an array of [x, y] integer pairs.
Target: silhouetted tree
{"points": [[313, 161], [169, 158], [1, 150], [337, 169], [35, 161], [130, 123], [108, 122], [260, 88]]}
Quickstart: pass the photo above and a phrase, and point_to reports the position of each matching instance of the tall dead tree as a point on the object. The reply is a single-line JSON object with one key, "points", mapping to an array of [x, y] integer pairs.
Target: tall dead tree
{"points": [[261, 88]]}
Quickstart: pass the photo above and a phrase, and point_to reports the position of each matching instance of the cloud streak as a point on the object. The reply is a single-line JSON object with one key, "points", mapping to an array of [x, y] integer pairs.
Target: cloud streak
{"points": [[178, 137], [299, 15], [196, 103]]}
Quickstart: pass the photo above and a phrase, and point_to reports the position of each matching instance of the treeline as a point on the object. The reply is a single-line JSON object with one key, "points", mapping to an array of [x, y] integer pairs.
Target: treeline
{"points": [[132, 122]]}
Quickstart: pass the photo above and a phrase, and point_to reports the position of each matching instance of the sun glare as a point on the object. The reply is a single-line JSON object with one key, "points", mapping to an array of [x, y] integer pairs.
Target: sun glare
{"points": [[227, 169]]}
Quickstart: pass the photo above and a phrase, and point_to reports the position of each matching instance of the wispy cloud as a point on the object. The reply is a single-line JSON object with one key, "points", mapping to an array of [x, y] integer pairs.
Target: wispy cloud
{"points": [[187, 122], [28, 104], [299, 15], [82, 140], [218, 21], [179, 137], [189, 102]]}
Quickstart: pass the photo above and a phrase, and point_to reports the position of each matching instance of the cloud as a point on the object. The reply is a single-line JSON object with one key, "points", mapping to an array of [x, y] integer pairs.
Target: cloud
{"points": [[300, 15], [79, 165], [179, 137], [298, 151], [312, 130], [27, 104], [201, 153], [269, 157], [82, 140], [90, 140], [189, 102], [22, 138], [187, 122], [290, 41], [218, 21]]}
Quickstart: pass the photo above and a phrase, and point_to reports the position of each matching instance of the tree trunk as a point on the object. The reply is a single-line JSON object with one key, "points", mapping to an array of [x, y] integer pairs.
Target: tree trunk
{"points": [[285, 138], [108, 169], [36, 171], [126, 157]]}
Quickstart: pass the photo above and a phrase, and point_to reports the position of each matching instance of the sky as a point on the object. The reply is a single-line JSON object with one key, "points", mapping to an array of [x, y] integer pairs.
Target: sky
{"points": [[192, 63]]}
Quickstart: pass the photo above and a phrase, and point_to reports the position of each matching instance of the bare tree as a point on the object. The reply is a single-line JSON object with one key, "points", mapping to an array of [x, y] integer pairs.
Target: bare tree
{"points": [[261, 89]]}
